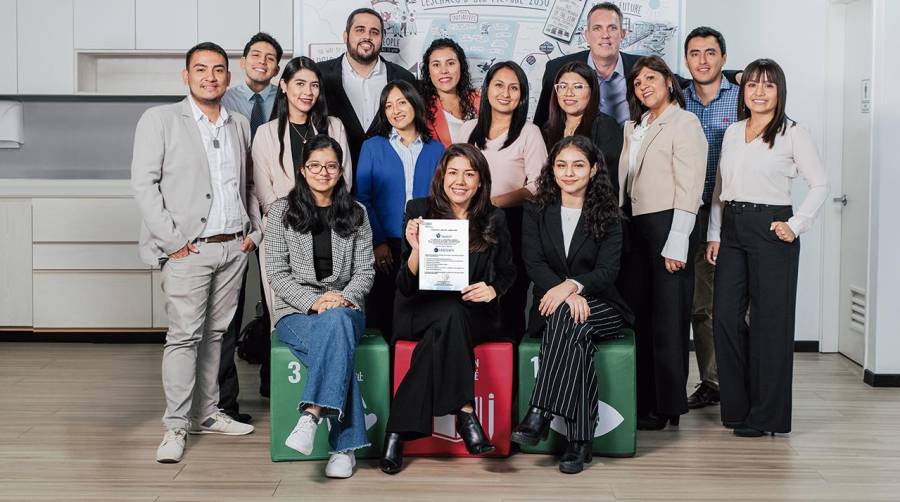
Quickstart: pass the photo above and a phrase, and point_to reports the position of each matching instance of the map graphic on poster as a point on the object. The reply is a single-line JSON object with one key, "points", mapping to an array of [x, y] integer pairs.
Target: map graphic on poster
{"points": [[529, 32]]}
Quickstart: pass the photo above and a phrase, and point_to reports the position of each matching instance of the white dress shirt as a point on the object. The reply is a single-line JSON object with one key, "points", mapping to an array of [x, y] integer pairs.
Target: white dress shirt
{"points": [[570, 217], [225, 212], [364, 93], [753, 172], [454, 125]]}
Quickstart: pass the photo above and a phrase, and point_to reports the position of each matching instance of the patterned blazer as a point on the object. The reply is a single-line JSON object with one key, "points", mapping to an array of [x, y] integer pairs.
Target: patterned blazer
{"points": [[292, 275]]}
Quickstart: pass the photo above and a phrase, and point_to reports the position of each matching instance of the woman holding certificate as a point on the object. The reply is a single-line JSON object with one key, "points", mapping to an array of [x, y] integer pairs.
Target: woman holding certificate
{"points": [[319, 264], [515, 152], [448, 324], [575, 236]]}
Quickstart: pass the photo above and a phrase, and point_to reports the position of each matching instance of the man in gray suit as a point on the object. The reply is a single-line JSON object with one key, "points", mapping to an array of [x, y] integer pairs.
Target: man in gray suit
{"points": [[200, 219]]}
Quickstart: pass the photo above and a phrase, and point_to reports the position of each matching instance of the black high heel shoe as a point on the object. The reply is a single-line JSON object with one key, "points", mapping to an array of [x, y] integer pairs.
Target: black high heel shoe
{"points": [[745, 431], [534, 428], [468, 426], [656, 422], [577, 454], [392, 457]]}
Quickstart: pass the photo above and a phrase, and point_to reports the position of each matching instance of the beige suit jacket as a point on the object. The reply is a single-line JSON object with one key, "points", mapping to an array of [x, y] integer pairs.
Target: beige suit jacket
{"points": [[273, 182], [671, 164], [171, 180]]}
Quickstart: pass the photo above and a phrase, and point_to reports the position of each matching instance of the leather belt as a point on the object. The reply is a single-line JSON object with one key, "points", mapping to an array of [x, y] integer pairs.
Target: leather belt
{"points": [[219, 238], [752, 206]]}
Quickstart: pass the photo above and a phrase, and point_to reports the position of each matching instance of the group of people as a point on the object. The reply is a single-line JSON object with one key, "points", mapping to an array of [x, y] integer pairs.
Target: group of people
{"points": [[662, 203]]}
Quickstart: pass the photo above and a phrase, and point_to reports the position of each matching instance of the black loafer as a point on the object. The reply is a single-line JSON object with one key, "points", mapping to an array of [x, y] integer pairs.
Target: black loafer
{"points": [[469, 427], [577, 454], [534, 428], [656, 422], [745, 431], [392, 457], [705, 395]]}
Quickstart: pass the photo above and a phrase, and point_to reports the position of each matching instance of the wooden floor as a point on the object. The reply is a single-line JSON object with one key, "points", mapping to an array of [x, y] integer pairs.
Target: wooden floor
{"points": [[82, 422]]}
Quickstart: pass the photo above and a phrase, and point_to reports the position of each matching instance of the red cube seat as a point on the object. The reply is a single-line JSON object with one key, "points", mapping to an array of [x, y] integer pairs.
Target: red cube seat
{"points": [[493, 402]]}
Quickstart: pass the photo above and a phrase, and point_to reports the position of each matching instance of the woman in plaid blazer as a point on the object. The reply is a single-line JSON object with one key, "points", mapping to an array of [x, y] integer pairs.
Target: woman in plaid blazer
{"points": [[320, 265]]}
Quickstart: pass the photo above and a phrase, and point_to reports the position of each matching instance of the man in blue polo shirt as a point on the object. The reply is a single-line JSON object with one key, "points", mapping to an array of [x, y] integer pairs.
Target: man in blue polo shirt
{"points": [[713, 99]]}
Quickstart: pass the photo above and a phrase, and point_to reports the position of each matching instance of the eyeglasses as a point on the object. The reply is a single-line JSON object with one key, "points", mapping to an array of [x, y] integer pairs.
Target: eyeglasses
{"points": [[330, 167], [577, 88]]}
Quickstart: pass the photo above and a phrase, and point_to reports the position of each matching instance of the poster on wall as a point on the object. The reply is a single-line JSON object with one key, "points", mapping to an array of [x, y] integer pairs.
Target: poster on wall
{"points": [[529, 32]]}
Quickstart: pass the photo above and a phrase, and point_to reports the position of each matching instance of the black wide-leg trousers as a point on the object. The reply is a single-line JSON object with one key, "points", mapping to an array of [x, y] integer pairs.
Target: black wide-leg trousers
{"points": [[441, 376], [755, 362], [662, 303], [566, 383]]}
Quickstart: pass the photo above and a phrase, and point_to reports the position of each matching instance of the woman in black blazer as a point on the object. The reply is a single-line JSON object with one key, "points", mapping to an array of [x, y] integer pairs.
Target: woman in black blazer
{"points": [[574, 237], [447, 324]]}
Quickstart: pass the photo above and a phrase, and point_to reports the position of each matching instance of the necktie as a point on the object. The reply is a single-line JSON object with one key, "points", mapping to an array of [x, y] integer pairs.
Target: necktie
{"points": [[256, 115]]}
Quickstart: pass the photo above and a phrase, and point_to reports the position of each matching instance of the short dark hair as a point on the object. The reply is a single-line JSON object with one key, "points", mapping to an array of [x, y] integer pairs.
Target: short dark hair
{"points": [[382, 126], [269, 39], [363, 10], [205, 46], [605, 6], [703, 32], [656, 64]]}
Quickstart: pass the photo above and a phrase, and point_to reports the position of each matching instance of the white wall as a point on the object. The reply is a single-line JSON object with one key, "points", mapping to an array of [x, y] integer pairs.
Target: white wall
{"points": [[883, 347], [794, 34]]}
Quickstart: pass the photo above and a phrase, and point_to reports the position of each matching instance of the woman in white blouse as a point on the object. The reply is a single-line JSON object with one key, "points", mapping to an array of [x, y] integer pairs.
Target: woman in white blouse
{"points": [[753, 243], [661, 173]]}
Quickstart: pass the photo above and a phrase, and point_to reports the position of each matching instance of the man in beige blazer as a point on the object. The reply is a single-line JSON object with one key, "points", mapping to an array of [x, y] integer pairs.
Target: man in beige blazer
{"points": [[200, 219]]}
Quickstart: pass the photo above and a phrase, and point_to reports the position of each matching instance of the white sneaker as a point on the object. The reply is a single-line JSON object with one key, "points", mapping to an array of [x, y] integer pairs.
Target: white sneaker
{"points": [[340, 465], [171, 449], [220, 423], [304, 434]]}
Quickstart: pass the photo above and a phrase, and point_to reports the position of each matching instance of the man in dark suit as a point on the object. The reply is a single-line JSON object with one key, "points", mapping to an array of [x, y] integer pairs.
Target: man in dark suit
{"points": [[353, 81], [604, 34]]}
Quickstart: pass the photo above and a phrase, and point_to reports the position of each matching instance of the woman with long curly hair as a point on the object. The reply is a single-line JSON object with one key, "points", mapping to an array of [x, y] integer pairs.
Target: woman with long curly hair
{"points": [[447, 90], [448, 324], [574, 232]]}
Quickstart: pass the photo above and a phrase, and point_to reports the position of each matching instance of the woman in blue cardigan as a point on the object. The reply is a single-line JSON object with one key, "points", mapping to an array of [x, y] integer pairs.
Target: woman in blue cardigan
{"points": [[395, 165]]}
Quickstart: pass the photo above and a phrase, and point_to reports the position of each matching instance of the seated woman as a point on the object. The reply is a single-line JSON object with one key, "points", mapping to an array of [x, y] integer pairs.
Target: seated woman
{"points": [[448, 325], [574, 103], [575, 236], [319, 264], [395, 165]]}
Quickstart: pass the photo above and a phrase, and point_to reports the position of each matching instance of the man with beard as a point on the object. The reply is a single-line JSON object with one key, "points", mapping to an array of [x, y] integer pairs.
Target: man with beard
{"points": [[713, 99], [352, 82], [199, 220]]}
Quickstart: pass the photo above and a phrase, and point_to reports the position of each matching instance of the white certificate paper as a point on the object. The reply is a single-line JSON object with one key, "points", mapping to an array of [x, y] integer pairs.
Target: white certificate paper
{"points": [[444, 255]]}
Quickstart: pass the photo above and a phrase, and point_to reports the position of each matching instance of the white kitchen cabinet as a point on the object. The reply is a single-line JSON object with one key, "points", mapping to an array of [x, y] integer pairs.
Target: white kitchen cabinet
{"points": [[8, 75], [45, 47], [229, 23], [78, 299], [15, 262], [165, 24], [104, 24], [276, 17]]}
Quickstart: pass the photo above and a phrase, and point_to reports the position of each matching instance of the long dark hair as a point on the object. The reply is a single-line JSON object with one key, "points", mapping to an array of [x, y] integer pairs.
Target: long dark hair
{"points": [[520, 114], [754, 72], [344, 216], [656, 64], [555, 127], [482, 233], [464, 88], [381, 126], [318, 115], [601, 202]]}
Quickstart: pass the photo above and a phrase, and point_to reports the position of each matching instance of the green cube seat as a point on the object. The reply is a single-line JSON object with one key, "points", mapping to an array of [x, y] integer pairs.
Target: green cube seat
{"points": [[288, 379], [614, 360]]}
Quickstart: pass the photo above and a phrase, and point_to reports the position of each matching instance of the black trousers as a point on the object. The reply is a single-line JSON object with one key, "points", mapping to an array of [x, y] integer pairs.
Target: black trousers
{"points": [[512, 304], [662, 303], [441, 376], [755, 362], [566, 383], [380, 301]]}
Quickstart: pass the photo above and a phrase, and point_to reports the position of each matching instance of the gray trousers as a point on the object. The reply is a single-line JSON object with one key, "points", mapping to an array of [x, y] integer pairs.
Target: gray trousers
{"points": [[201, 296], [702, 314]]}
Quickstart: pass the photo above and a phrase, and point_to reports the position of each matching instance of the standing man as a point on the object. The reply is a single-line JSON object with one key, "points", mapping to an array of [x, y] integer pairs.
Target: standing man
{"points": [[604, 34], [713, 99], [353, 81], [200, 219], [254, 99]]}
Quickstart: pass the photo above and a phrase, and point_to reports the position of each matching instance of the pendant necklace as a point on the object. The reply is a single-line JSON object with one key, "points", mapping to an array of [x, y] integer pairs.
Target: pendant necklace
{"points": [[303, 137], [215, 140]]}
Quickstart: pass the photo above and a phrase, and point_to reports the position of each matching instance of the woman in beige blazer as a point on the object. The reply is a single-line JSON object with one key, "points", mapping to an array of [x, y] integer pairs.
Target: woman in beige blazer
{"points": [[661, 174], [299, 115]]}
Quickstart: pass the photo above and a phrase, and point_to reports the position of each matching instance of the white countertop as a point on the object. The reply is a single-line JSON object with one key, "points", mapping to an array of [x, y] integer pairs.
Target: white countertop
{"points": [[33, 188]]}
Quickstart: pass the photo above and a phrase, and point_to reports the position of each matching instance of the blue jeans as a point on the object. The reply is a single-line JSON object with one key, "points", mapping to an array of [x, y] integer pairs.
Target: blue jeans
{"points": [[326, 344]]}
